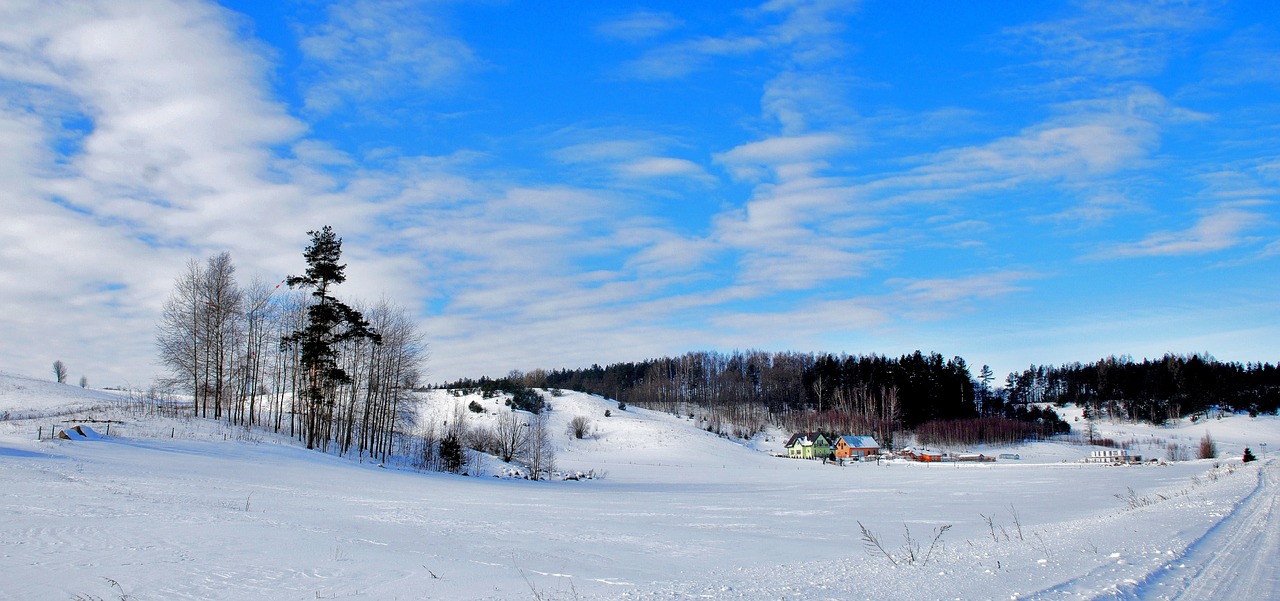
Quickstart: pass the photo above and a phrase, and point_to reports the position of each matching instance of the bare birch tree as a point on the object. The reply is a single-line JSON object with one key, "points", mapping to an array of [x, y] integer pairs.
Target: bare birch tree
{"points": [[540, 455], [60, 371]]}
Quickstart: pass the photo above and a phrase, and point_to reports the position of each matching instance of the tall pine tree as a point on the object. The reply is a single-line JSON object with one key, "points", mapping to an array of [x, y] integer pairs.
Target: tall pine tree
{"points": [[330, 322]]}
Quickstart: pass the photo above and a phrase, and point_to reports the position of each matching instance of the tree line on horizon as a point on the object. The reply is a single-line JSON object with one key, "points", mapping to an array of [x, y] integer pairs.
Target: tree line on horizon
{"points": [[936, 399], [738, 393], [1151, 390]]}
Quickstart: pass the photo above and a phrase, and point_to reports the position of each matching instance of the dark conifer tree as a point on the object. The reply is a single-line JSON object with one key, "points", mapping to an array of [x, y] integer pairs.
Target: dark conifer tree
{"points": [[452, 456], [330, 322]]}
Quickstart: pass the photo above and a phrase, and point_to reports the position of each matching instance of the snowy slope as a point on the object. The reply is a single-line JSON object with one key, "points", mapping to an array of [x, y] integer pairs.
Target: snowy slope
{"points": [[27, 398], [681, 513], [628, 442]]}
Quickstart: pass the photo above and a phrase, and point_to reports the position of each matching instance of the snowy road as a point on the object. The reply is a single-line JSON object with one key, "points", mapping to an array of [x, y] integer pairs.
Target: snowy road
{"points": [[1237, 559]]}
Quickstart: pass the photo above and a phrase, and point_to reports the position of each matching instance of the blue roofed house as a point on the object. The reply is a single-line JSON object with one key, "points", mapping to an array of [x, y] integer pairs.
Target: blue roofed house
{"points": [[856, 447]]}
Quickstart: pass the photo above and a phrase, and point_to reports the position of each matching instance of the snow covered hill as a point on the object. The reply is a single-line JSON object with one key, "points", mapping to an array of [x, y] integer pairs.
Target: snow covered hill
{"points": [[175, 508]]}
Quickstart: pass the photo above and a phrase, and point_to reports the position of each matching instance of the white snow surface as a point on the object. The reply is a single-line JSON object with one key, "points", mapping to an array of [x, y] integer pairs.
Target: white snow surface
{"points": [[163, 508]]}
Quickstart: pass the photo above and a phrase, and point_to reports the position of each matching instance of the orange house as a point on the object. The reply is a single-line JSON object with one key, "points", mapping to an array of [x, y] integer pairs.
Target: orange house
{"points": [[856, 447], [925, 456]]}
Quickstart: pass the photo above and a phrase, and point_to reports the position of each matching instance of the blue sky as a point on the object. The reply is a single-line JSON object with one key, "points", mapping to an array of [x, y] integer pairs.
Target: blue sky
{"points": [[559, 184]]}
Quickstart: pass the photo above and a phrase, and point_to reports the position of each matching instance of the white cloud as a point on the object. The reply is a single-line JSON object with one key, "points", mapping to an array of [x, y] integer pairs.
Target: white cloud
{"points": [[639, 26], [1089, 143], [754, 160], [947, 292], [677, 60], [803, 30], [807, 101], [135, 135], [1218, 229], [652, 167], [802, 325], [1099, 208], [1114, 39], [1272, 249], [638, 157], [670, 253], [165, 162], [374, 50], [604, 150]]}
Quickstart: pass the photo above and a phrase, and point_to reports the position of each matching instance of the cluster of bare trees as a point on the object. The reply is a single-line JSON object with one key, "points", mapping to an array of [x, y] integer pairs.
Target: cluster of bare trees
{"points": [[988, 430], [516, 436], [60, 374], [227, 346]]}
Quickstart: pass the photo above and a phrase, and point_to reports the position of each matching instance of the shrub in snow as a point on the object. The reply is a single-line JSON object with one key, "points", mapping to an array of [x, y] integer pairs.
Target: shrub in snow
{"points": [[580, 427], [526, 399], [1248, 455], [475, 407], [481, 439], [911, 551], [1208, 448]]}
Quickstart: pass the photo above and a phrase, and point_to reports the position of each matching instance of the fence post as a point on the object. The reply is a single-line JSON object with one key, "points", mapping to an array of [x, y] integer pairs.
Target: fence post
{"points": [[39, 432]]}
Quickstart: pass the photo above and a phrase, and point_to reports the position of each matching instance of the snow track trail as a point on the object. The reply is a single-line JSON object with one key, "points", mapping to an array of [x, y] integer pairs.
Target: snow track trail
{"points": [[1236, 559]]}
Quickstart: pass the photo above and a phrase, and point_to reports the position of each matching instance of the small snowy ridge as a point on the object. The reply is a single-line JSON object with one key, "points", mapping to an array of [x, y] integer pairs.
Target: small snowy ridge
{"points": [[80, 432], [188, 508]]}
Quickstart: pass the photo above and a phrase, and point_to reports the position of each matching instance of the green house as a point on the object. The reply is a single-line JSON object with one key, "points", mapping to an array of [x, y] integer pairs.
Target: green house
{"points": [[808, 445]]}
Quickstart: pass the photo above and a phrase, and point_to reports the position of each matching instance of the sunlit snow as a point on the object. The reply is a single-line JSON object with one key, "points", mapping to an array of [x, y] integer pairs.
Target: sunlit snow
{"points": [[162, 508]]}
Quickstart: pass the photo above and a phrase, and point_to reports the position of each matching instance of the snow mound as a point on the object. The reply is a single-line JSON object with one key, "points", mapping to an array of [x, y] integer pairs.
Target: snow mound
{"points": [[80, 432]]}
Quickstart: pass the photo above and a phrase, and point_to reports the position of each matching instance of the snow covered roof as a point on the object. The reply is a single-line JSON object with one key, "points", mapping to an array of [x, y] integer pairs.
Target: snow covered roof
{"points": [[860, 442], [805, 439]]}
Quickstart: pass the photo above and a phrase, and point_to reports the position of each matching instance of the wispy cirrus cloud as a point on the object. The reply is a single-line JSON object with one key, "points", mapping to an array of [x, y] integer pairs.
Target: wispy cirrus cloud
{"points": [[1098, 208], [802, 28], [759, 159], [683, 58], [788, 199], [635, 157], [1248, 57], [1219, 228], [936, 293], [806, 322], [639, 26], [655, 167], [1088, 142], [1113, 39], [373, 51]]}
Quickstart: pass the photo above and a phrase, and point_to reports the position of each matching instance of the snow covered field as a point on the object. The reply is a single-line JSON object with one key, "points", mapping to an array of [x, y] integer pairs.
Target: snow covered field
{"points": [[214, 512]]}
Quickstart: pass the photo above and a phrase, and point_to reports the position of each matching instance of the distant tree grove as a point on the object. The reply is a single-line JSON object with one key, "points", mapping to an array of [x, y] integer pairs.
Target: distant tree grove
{"points": [[934, 398], [738, 393], [1153, 390], [334, 376]]}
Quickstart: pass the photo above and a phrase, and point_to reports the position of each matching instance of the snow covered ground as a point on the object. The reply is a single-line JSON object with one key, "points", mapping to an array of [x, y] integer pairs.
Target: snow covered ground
{"points": [[188, 509]]}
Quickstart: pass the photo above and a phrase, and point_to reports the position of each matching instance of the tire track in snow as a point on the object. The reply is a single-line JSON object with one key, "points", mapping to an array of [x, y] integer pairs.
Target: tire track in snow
{"points": [[1236, 559]]}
